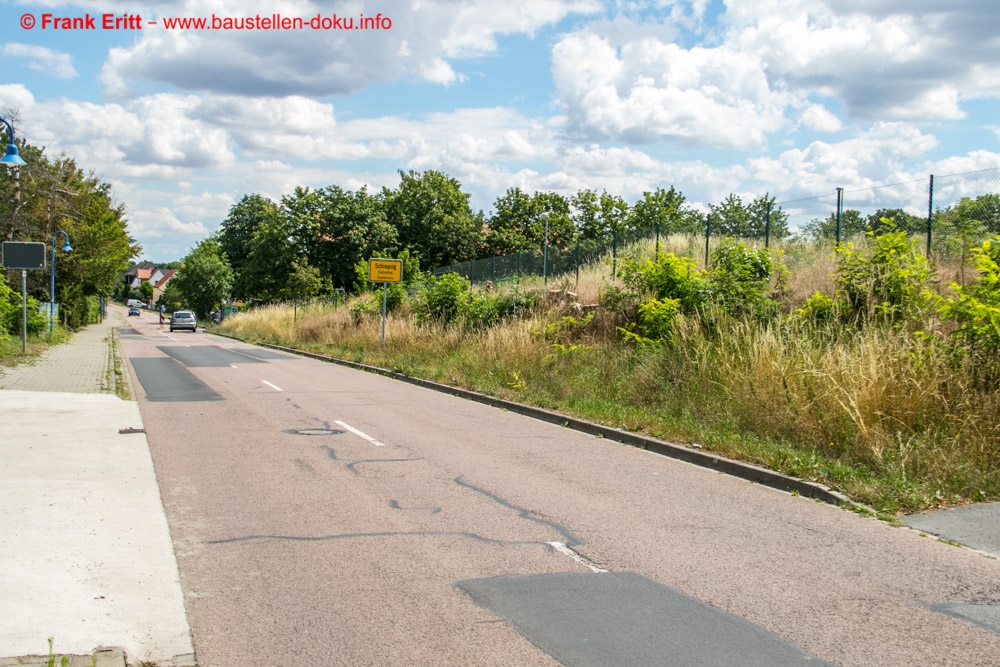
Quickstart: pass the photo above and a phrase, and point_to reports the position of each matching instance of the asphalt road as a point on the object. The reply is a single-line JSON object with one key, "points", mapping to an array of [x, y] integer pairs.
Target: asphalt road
{"points": [[322, 515]]}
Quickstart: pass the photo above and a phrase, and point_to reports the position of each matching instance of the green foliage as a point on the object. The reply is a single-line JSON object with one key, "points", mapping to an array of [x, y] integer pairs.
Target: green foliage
{"points": [[519, 222], [665, 209], [851, 224], [486, 308], [237, 231], [976, 310], [304, 282], [885, 281], [736, 219], [432, 217], [740, 279], [11, 313], [667, 277], [206, 279], [441, 298], [658, 318], [818, 309]]}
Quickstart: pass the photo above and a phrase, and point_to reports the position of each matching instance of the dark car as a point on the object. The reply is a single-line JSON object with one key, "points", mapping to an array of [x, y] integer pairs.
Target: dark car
{"points": [[134, 311], [183, 319]]}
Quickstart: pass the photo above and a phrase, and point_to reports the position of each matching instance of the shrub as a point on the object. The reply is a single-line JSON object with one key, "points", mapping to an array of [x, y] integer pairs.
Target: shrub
{"points": [[976, 310], [484, 308], [741, 279], [818, 309], [887, 280], [668, 277], [441, 298], [658, 318]]}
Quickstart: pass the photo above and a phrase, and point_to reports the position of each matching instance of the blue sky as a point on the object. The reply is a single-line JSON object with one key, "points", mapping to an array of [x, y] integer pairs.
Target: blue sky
{"points": [[790, 97]]}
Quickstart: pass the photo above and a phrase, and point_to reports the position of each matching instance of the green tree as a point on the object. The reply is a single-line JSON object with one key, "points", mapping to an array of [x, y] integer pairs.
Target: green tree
{"points": [[304, 282], [206, 278], [586, 214], [736, 219], [851, 224], [236, 233], [273, 249], [432, 218], [339, 228], [665, 209]]}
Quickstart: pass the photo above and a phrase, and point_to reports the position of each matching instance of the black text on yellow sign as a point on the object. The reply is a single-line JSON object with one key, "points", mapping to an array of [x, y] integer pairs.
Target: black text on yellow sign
{"points": [[385, 270]]}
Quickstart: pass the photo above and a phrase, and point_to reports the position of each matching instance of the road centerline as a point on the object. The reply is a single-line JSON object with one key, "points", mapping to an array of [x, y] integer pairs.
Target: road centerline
{"points": [[358, 433]]}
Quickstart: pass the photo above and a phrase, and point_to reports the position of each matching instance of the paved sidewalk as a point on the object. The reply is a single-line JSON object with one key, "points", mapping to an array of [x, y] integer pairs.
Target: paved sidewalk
{"points": [[85, 552]]}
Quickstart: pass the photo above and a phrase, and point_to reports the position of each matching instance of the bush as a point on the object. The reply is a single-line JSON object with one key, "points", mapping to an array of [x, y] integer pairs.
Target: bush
{"points": [[484, 309], [887, 281], [441, 298], [976, 310], [658, 318], [668, 277], [741, 279]]}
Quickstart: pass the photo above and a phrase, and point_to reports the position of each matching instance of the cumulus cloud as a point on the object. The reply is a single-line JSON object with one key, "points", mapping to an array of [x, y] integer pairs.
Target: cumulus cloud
{"points": [[42, 59], [421, 41], [648, 90], [885, 59]]}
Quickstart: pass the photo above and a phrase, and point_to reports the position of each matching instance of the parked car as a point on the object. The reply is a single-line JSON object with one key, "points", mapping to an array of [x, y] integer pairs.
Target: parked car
{"points": [[134, 311], [183, 319]]}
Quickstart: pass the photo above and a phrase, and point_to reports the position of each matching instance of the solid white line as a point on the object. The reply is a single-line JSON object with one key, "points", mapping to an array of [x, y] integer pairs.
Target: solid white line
{"points": [[563, 549], [360, 434], [271, 385]]}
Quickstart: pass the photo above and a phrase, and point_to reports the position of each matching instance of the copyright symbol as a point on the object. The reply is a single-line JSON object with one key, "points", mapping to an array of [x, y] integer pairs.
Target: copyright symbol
{"points": [[27, 21]]}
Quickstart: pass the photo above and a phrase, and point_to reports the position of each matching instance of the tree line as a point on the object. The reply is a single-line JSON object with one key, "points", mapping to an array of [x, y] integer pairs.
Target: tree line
{"points": [[311, 241], [51, 193]]}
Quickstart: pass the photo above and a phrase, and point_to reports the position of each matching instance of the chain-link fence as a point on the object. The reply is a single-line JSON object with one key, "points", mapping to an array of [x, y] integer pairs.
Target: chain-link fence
{"points": [[950, 213]]}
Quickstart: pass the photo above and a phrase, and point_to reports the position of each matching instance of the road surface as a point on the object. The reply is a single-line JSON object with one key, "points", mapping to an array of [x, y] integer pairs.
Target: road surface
{"points": [[322, 515]]}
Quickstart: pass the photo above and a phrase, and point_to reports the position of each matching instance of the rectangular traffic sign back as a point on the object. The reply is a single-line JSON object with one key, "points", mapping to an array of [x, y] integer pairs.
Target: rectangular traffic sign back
{"points": [[23, 255]]}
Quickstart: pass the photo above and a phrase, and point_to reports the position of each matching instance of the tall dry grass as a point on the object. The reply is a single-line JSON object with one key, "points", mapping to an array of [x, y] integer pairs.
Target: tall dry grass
{"points": [[874, 412]]}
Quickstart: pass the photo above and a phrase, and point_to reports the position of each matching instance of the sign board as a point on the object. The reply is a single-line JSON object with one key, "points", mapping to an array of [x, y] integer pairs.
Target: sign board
{"points": [[385, 270], [23, 255]]}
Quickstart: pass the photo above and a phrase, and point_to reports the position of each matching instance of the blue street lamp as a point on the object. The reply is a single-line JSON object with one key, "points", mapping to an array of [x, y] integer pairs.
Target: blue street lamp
{"points": [[52, 284], [11, 158]]}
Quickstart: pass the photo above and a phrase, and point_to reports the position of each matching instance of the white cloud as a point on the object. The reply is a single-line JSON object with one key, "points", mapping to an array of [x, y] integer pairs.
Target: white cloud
{"points": [[886, 60], [818, 118], [648, 91], [42, 59], [422, 40]]}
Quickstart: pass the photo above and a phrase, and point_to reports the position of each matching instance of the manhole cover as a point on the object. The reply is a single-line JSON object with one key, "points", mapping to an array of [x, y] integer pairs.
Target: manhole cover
{"points": [[314, 431]]}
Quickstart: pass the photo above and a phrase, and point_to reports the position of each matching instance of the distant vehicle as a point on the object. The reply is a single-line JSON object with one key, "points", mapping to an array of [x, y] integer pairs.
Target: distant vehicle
{"points": [[134, 311], [135, 303], [183, 319]]}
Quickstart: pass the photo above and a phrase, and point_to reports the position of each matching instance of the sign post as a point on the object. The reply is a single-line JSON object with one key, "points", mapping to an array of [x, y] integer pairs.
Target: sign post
{"points": [[27, 257], [385, 271]]}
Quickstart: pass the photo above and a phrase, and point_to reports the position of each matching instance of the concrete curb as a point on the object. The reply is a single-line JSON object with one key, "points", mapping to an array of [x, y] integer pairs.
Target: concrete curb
{"points": [[696, 457]]}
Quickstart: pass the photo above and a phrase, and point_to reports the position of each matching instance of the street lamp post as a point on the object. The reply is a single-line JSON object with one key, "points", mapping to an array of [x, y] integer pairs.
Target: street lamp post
{"points": [[11, 158], [52, 281]]}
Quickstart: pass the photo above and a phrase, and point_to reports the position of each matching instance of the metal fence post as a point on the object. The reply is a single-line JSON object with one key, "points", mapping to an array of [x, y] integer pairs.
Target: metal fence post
{"points": [[708, 235], [614, 254], [840, 209], [767, 227], [930, 214], [578, 261], [657, 251]]}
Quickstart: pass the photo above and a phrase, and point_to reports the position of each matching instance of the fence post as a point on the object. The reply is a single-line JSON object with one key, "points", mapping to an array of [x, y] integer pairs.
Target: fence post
{"points": [[577, 261], [930, 214], [656, 253], [767, 227], [545, 252], [493, 268], [708, 235], [614, 254], [840, 209]]}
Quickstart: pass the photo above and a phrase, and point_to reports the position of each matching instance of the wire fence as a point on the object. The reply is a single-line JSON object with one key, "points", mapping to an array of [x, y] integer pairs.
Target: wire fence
{"points": [[949, 213]]}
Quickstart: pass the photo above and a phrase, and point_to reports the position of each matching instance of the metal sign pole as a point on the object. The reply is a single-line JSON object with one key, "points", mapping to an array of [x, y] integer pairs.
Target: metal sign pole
{"points": [[385, 292], [24, 311]]}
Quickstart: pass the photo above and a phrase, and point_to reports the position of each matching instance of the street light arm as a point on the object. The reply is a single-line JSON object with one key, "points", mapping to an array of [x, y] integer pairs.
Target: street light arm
{"points": [[11, 158]]}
